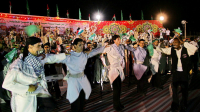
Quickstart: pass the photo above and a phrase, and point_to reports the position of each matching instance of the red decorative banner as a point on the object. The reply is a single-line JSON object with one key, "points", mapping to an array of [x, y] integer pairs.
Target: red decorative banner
{"points": [[98, 27]]}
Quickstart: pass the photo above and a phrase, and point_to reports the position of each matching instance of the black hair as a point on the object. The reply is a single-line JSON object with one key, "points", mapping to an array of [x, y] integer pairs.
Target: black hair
{"points": [[192, 38], [134, 43], [88, 43], [77, 40], [177, 39], [47, 44], [30, 41], [115, 37], [141, 40]]}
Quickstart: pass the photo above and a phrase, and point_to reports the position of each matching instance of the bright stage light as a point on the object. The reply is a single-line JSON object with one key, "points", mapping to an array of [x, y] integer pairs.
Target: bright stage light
{"points": [[161, 18], [98, 17]]}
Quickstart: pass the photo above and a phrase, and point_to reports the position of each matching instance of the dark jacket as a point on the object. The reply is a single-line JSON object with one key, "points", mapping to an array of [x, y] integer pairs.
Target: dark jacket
{"points": [[185, 60]]}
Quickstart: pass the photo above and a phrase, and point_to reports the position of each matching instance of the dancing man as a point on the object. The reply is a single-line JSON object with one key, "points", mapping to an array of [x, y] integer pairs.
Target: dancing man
{"points": [[26, 79], [180, 70], [116, 56], [79, 87]]}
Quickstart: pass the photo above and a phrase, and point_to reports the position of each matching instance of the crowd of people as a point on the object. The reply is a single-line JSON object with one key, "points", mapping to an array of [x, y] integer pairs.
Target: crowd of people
{"points": [[85, 63]]}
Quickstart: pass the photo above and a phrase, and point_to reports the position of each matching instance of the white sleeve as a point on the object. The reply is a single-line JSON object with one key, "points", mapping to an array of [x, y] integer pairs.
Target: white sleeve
{"points": [[10, 82], [103, 60], [107, 50], [130, 48], [191, 49], [164, 50], [54, 58], [96, 51], [171, 40]]}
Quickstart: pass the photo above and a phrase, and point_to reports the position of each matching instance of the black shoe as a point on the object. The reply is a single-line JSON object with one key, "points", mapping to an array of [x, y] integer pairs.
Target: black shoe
{"points": [[121, 106], [183, 109], [160, 87], [174, 110], [7, 102], [118, 109]]}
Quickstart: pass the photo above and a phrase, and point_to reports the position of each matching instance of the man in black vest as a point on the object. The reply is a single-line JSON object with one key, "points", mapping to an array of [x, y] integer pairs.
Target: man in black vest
{"points": [[180, 70]]}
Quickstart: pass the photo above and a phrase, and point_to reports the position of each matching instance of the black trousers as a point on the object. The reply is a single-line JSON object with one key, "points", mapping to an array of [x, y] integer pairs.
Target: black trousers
{"points": [[54, 89], [142, 84], [45, 104], [156, 80], [78, 105], [195, 62], [116, 92], [184, 90]]}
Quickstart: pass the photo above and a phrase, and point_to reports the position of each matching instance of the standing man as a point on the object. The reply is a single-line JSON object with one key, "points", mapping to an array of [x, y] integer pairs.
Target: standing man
{"points": [[26, 80], [155, 68], [116, 56], [141, 67], [167, 34], [56, 32], [79, 87], [164, 32], [180, 70]]}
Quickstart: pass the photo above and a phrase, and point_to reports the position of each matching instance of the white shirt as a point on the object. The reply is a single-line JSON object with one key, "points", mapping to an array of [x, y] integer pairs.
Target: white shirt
{"points": [[163, 30], [76, 64], [191, 49], [168, 32], [194, 43]]}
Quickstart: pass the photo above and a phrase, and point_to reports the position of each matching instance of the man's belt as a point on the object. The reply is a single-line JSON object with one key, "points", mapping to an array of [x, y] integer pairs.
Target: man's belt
{"points": [[139, 62], [78, 75]]}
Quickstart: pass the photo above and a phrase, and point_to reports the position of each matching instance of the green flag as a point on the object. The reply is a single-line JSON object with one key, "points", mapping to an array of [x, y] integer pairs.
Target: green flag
{"points": [[30, 30], [121, 16], [142, 16], [50, 39], [12, 40], [92, 36], [150, 49], [57, 10], [12, 54], [67, 14], [132, 38], [151, 17], [27, 7], [48, 10], [79, 14], [89, 17], [114, 17]]}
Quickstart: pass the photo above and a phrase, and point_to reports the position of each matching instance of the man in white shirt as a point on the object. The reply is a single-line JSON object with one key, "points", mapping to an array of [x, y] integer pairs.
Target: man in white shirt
{"points": [[167, 34], [180, 70]]}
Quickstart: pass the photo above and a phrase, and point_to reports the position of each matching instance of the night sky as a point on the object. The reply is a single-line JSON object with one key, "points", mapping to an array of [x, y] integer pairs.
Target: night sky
{"points": [[176, 10]]}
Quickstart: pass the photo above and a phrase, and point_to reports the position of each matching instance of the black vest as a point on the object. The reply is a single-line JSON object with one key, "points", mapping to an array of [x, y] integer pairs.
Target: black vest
{"points": [[185, 60]]}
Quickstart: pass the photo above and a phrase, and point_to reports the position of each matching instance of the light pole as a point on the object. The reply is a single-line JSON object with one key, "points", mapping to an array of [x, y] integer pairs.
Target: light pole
{"points": [[184, 23]]}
